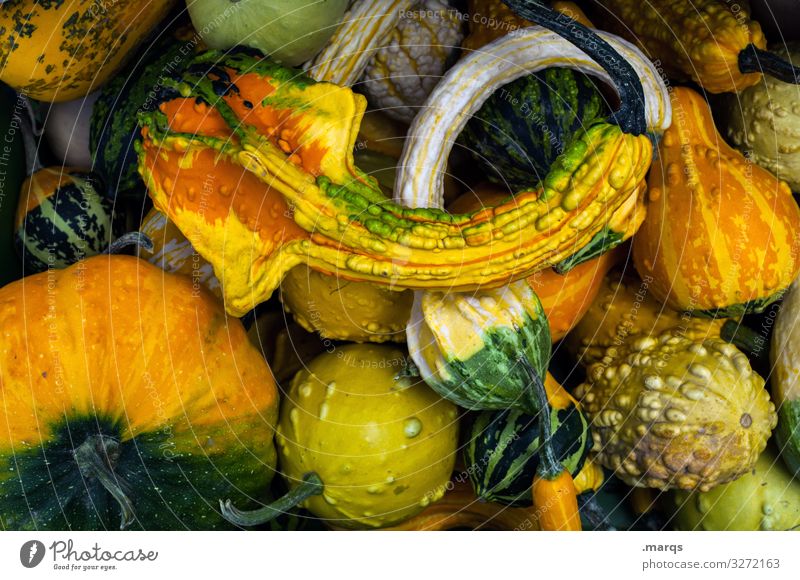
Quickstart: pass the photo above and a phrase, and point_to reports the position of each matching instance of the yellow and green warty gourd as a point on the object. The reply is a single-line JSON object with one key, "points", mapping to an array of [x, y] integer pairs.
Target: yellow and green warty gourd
{"points": [[669, 412], [255, 160]]}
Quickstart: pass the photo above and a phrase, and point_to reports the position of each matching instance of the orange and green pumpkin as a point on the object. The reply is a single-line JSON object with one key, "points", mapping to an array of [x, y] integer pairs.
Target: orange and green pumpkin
{"points": [[720, 237], [59, 51], [61, 218], [128, 401]]}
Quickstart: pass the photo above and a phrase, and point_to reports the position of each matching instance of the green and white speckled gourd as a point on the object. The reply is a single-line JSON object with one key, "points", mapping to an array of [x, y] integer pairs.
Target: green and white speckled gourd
{"points": [[669, 412]]}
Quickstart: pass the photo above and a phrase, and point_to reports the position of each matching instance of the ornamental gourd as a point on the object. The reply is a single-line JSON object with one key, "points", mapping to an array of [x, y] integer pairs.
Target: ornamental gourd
{"points": [[343, 310], [152, 406], [381, 442], [668, 412], [61, 219], [522, 128], [502, 455], [286, 143], [713, 42], [785, 356], [60, 51], [763, 121], [720, 231], [14, 166]]}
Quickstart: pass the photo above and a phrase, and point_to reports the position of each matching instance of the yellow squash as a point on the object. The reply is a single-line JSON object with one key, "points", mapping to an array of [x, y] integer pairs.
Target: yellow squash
{"points": [[383, 443], [344, 310]]}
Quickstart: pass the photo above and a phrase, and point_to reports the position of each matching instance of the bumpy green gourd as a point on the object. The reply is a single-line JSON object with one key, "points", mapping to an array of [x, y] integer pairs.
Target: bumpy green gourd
{"points": [[669, 412]]}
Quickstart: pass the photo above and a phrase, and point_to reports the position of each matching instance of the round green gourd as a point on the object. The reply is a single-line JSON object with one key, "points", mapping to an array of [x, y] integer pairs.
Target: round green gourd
{"points": [[61, 219], [764, 498], [503, 452]]}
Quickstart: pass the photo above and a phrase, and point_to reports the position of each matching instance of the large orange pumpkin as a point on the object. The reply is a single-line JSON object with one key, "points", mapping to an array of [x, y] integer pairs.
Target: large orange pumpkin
{"points": [[127, 399]]}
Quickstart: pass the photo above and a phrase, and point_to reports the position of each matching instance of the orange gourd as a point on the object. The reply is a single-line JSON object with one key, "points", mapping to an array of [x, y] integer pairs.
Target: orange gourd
{"points": [[721, 233]]}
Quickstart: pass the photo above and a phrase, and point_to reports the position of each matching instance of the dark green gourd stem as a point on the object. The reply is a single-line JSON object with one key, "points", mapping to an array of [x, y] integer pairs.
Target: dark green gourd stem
{"points": [[312, 485], [130, 239], [630, 117], [96, 458], [549, 465], [755, 60]]}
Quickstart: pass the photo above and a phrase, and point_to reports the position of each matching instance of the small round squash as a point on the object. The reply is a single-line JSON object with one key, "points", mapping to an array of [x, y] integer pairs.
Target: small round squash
{"points": [[129, 401], [383, 443]]}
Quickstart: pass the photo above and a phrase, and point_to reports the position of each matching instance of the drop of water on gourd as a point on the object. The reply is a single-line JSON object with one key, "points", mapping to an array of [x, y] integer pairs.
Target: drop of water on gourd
{"points": [[412, 427]]}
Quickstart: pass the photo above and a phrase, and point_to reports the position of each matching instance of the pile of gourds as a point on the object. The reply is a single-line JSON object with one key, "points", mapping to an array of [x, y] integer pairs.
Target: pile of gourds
{"points": [[398, 264]]}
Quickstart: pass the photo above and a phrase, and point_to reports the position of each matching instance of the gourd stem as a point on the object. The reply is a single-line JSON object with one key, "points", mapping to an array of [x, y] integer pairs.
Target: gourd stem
{"points": [[755, 60], [312, 485], [96, 458], [130, 239], [630, 116], [549, 465]]}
